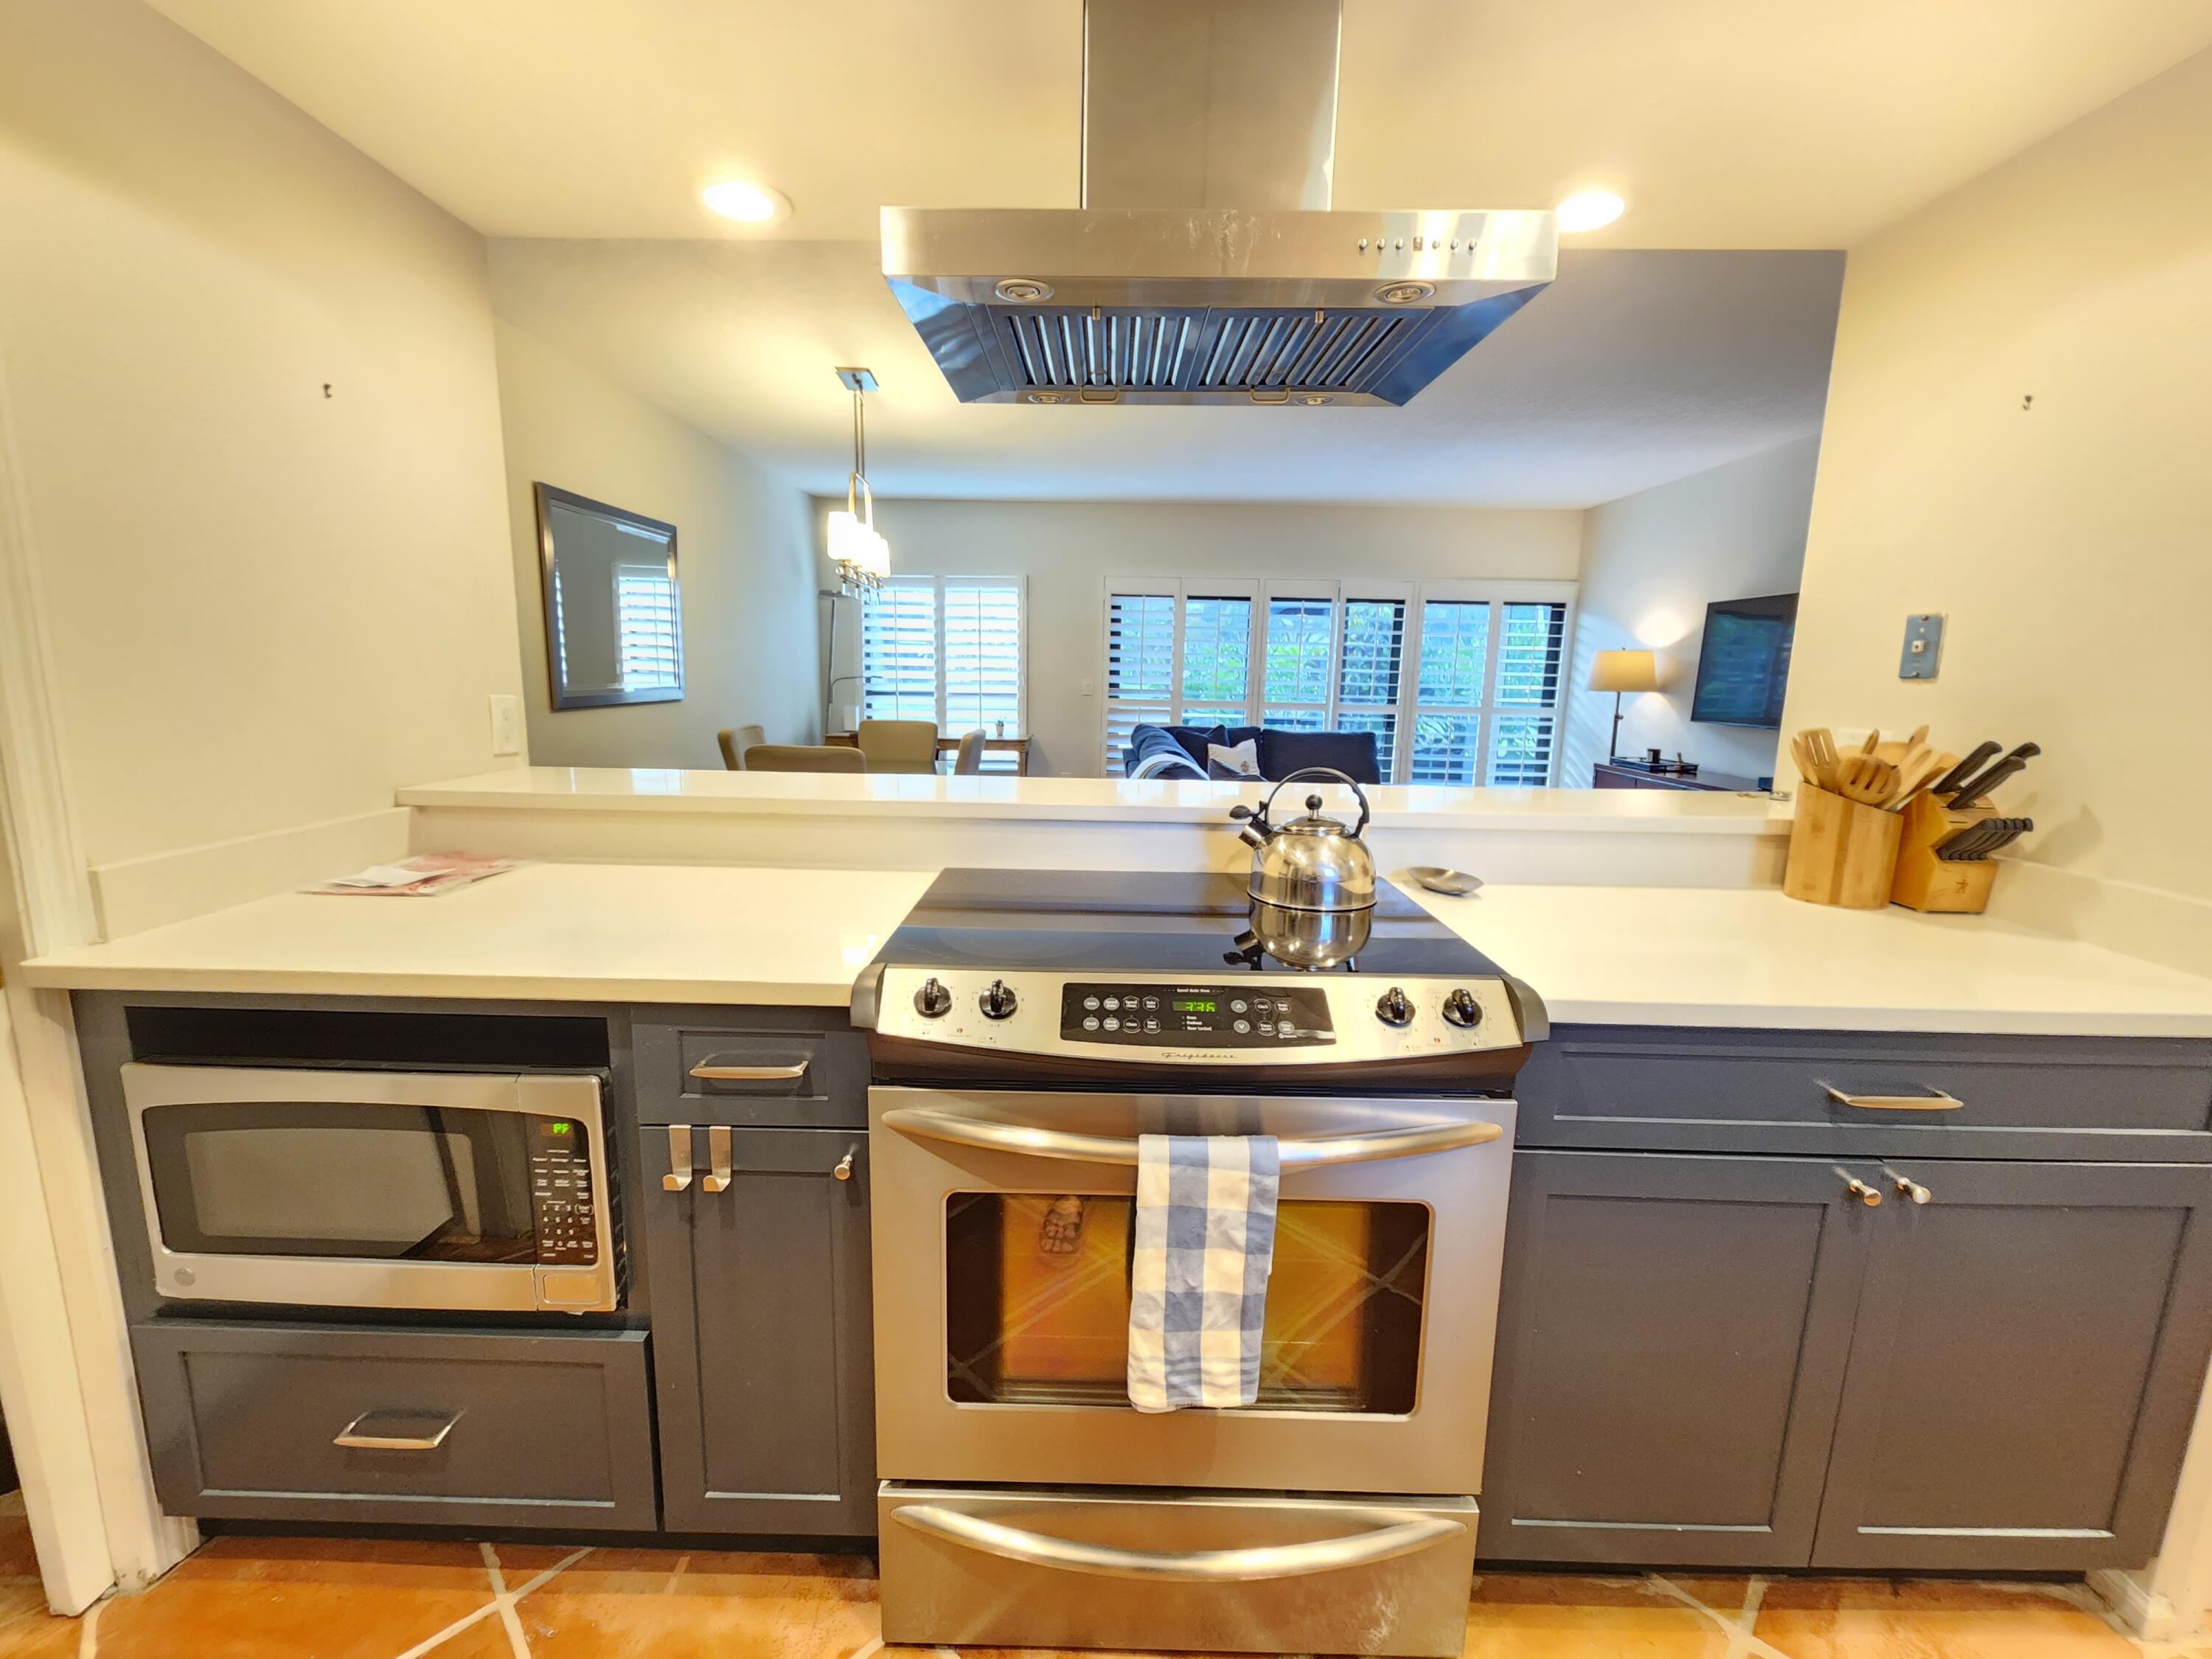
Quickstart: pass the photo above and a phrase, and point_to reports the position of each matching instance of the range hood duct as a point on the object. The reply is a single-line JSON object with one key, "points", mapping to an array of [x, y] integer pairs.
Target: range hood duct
{"points": [[1206, 265]]}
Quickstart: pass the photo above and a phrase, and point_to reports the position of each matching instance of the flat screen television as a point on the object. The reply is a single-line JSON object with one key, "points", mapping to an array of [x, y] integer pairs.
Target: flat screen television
{"points": [[1744, 662]]}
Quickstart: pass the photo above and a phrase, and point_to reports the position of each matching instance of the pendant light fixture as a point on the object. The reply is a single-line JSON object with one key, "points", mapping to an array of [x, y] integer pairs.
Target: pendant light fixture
{"points": [[862, 557]]}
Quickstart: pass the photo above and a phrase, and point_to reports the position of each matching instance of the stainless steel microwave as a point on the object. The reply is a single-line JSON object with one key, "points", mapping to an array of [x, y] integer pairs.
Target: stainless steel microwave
{"points": [[375, 1190]]}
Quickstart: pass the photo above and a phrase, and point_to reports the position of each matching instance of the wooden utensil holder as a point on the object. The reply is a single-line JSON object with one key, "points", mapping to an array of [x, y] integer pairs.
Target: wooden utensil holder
{"points": [[1924, 882], [1841, 852]]}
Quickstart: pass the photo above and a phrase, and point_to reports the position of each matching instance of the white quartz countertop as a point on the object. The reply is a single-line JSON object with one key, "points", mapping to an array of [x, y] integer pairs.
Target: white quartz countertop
{"points": [[1748, 957], [726, 935], [616, 933], [882, 794]]}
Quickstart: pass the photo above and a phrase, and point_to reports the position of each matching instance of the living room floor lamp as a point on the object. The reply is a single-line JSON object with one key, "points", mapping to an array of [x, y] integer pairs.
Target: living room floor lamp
{"points": [[1619, 672]]}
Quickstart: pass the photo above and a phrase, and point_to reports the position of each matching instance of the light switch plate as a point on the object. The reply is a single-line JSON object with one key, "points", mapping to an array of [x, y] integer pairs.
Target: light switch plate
{"points": [[505, 723], [1924, 647]]}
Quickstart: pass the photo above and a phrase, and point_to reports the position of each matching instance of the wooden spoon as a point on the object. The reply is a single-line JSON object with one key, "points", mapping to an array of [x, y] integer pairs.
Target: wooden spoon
{"points": [[1870, 780], [1821, 743]]}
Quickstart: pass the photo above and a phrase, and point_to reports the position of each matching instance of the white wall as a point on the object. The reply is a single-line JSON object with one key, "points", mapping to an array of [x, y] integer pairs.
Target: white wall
{"points": [[744, 555], [267, 606], [2069, 539], [1068, 550], [1651, 563]]}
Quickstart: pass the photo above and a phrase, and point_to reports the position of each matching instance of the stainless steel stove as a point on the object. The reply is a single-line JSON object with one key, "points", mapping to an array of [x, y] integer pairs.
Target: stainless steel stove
{"points": [[1025, 1028]]}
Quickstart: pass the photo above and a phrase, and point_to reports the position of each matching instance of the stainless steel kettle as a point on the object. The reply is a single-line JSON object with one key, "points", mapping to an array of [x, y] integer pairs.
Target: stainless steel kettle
{"points": [[1312, 863]]}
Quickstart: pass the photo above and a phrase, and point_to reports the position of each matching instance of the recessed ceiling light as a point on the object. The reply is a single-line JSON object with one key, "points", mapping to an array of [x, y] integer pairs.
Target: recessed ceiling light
{"points": [[745, 202], [1590, 210]]}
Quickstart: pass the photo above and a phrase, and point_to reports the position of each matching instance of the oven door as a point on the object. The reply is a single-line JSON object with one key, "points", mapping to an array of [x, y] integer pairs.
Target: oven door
{"points": [[374, 1189], [1001, 1227]]}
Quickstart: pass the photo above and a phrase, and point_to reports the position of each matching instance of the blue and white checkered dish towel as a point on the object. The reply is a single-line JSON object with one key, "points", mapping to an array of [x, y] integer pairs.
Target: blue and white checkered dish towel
{"points": [[1197, 1283]]}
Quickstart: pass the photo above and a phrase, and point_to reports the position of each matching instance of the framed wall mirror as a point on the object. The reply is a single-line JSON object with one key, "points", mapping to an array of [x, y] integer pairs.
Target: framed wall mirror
{"points": [[614, 609]]}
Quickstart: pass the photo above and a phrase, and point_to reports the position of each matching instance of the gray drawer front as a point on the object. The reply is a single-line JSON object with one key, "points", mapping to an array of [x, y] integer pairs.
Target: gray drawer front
{"points": [[548, 1430], [1634, 1087], [830, 1093]]}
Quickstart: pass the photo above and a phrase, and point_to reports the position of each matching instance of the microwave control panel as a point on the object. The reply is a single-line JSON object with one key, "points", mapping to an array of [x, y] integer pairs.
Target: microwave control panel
{"points": [[562, 1206]]}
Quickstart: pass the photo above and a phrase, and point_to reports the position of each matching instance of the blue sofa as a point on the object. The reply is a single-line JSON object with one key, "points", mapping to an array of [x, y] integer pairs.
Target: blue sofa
{"points": [[1179, 752]]}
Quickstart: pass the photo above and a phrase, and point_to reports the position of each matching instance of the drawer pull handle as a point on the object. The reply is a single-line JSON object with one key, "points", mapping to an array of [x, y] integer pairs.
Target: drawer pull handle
{"points": [[844, 1169], [718, 1154], [1404, 1534], [679, 1159], [707, 1072], [1934, 1100], [353, 1435]]}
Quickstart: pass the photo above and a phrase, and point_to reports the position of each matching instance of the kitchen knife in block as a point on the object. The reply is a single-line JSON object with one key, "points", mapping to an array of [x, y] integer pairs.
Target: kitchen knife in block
{"points": [[1976, 788], [1965, 769], [1924, 882], [1841, 852]]}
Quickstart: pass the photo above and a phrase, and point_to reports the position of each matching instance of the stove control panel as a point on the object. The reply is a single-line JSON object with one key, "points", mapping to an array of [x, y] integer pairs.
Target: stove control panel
{"points": [[1165, 1019], [1159, 1015]]}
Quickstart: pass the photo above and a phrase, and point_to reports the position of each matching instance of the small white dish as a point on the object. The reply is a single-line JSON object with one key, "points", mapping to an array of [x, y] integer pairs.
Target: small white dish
{"points": [[1438, 880]]}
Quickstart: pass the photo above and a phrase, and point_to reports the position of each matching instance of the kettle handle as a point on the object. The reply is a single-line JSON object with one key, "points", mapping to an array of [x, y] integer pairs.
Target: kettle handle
{"points": [[1346, 779]]}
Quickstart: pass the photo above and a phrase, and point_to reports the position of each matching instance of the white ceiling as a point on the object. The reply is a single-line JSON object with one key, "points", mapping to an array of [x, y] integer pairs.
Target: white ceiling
{"points": [[1631, 369], [1728, 124]]}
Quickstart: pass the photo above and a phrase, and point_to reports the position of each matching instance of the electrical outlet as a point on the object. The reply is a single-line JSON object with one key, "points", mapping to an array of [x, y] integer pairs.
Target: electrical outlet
{"points": [[1924, 647], [505, 723]]}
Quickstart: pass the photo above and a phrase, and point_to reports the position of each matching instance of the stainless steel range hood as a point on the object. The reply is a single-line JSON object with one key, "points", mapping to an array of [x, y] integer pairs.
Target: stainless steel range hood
{"points": [[1205, 265]]}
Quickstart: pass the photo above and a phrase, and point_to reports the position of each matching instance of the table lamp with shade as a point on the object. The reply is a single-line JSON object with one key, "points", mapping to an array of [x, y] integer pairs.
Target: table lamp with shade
{"points": [[1620, 672]]}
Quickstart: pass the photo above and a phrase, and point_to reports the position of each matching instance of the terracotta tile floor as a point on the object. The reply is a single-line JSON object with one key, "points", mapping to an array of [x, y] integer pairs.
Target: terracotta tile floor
{"points": [[290, 1598]]}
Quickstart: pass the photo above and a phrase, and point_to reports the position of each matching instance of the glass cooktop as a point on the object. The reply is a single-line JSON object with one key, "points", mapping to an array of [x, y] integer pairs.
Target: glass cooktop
{"points": [[1101, 921]]}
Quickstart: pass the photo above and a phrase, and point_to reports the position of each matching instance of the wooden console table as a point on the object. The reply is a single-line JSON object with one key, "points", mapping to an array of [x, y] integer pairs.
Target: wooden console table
{"points": [[1017, 747], [1635, 775]]}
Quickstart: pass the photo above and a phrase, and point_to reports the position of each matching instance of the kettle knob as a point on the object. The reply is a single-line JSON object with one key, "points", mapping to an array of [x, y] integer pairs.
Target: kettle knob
{"points": [[1313, 802]]}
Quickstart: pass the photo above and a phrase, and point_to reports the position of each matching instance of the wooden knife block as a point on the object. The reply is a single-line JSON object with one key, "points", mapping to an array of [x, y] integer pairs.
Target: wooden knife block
{"points": [[1841, 852], [1924, 882]]}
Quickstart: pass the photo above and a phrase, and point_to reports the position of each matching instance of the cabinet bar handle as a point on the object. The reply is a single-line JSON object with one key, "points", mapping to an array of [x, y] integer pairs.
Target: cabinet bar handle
{"points": [[718, 1155], [708, 1072], [351, 1435], [679, 1159], [844, 1169], [1869, 1196], [1907, 1187], [1934, 1100]]}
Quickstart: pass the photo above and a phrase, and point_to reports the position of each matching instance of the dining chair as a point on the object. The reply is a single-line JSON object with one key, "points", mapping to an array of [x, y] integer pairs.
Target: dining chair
{"points": [[804, 757], [968, 759], [899, 746], [736, 740]]}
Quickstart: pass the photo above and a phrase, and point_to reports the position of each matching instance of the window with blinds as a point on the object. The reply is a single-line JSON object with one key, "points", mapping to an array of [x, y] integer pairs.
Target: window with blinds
{"points": [[648, 631], [947, 649], [1460, 682]]}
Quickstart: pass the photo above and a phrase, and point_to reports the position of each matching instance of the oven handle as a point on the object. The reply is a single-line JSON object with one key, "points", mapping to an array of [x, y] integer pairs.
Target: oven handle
{"points": [[931, 1124], [1040, 1549]]}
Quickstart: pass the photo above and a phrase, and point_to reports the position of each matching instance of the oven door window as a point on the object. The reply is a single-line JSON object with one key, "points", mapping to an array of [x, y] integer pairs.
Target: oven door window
{"points": [[314, 1178], [1038, 1303]]}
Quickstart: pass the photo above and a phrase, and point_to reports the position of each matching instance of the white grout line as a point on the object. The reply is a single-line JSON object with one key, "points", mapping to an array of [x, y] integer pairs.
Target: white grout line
{"points": [[87, 1636], [874, 1644], [501, 1607], [1741, 1640]]}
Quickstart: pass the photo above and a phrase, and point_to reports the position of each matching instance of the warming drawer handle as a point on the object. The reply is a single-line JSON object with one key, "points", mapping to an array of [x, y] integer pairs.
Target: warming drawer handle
{"points": [[1934, 1100], [1039, 1549], [351, 1435], [707, 1072], [931, 1124]]}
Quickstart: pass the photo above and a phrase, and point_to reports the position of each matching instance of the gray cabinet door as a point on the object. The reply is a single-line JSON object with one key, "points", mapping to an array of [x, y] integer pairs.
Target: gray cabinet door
{"points": [[2028, 1357], [762, 1361], [1671, 1347]]}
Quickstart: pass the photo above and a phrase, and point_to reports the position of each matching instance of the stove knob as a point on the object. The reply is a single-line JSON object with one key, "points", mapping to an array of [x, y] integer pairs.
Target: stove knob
{"points": [[1461, 1009], [932, 1001], [997, 1000], [1393, 1008]]}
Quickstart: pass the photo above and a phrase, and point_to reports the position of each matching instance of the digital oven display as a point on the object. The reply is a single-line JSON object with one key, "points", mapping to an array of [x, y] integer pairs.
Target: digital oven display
{"points": [[1194, 1006]]}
